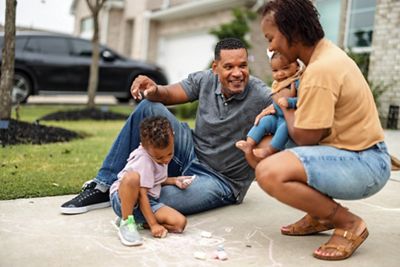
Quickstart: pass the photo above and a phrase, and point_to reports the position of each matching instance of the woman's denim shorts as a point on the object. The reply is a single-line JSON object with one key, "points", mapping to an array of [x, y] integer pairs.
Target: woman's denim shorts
{"points": [[137, 214], [345, 174]]}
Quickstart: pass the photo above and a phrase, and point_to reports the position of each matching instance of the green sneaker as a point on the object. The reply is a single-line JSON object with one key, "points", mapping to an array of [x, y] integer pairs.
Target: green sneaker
{"points": [[117, 222], [128, 233]]}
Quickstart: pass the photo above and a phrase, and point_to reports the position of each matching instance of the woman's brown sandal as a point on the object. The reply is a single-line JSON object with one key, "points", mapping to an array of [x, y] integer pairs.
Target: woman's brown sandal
{"points": [[354, 241], [306, 226], [395, 163]]}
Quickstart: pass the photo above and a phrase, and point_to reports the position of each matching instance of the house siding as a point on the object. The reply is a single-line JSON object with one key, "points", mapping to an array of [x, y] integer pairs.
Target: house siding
{"points": [[184, 25], [133, 34], [113, 31], [258, 59], [385, 56], [81, 11]]}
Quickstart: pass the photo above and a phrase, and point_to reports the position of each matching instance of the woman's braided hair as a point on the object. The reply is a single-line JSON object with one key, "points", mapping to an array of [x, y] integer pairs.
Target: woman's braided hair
{"points": [[155, 131], [297, 20]]}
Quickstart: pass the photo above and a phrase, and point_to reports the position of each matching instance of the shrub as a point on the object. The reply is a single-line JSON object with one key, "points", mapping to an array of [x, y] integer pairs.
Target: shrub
{"points": [[378, 88], [185, 111]]}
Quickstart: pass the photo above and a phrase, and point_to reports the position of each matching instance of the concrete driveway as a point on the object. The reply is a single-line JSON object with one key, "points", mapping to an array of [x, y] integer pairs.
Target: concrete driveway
{"points": [[34, 233]]}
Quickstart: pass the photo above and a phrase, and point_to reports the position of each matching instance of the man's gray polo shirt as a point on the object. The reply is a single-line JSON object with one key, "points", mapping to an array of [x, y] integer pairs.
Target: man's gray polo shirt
{"points": [[220, 123]]}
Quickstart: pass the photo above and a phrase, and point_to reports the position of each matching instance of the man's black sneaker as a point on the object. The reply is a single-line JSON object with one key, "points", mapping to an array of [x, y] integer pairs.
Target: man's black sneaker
{"points": [[90, 198]]}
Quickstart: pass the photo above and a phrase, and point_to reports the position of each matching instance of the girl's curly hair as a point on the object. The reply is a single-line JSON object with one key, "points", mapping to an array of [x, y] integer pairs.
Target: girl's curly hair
{"points": [[155, 131]]}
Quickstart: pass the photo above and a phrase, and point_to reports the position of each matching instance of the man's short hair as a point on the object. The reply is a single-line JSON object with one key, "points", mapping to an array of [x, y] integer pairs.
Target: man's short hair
{"points": [[227, 44]]}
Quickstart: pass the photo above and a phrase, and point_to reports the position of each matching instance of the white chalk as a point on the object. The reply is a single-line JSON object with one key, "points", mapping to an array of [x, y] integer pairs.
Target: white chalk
{"points": [[187, 181], [164, 234], [200, 255], [220, 253], [206, 234]]}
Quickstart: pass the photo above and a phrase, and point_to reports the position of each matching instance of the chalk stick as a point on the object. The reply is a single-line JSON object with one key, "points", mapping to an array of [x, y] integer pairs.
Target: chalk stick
{"points": [[200, 255], [206, 234], [164, 234]]}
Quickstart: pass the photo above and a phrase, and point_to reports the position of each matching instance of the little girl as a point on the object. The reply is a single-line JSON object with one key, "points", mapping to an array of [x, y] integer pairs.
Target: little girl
{"points": [[135, 195]]}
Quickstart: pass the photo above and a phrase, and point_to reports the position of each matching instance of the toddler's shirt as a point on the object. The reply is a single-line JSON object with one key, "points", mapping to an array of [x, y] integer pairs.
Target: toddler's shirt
{"points": [[151, 173]]}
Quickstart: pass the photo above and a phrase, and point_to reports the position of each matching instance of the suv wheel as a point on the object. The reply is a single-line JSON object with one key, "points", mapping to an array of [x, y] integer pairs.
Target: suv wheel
{"points": [[21, 89], [123, 99]]}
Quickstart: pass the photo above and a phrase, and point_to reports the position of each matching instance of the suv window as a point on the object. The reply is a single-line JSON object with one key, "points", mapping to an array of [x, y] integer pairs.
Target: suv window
{"points": [[19, 42], [81, 48], [48, 45]]}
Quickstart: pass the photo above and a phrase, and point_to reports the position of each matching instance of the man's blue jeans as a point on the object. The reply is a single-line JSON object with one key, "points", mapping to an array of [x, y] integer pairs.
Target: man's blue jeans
{"points": [[207, 191]]}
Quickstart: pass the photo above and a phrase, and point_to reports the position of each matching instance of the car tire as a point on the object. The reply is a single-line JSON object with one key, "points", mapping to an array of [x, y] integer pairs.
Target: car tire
{"points": [[22, 88], [123, 99]]}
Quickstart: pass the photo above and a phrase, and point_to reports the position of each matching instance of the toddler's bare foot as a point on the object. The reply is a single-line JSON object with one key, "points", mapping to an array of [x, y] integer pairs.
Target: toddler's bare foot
{"points": [[264, 152], [244, 146]]}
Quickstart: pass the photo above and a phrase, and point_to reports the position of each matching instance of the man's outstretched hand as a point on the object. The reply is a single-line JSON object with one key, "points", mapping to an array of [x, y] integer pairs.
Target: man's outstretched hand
{"points": [[143, 86]]}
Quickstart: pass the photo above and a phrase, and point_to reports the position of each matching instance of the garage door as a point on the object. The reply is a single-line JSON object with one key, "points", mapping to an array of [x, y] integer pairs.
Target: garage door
{"points": [[182, 54]]}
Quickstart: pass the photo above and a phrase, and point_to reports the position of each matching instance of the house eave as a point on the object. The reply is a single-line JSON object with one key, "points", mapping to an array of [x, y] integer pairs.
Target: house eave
{"points": [[197, 8], [116, 4]]}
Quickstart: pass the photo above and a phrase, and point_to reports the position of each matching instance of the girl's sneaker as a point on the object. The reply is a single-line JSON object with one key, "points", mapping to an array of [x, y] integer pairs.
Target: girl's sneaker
{"points": [[128, 233]]}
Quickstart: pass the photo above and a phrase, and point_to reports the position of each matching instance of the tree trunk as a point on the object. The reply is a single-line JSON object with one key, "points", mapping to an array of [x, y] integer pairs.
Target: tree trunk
{"points": [[95, 7], [94, 66], [7, 66]]}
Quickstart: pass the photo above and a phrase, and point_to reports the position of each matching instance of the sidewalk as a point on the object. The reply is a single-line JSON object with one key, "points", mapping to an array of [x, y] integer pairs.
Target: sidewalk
{"points": [[71, 99], [34, 233]]}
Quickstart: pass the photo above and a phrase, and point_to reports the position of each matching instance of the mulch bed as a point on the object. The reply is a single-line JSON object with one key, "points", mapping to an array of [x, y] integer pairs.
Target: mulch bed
{"points": [[19, 132]]}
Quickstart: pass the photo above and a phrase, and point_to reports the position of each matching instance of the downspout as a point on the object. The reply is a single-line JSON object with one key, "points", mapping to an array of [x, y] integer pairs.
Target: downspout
{"points": [[166, 4], [254, 8], [145, 34], [146, 29], [347, 26]]}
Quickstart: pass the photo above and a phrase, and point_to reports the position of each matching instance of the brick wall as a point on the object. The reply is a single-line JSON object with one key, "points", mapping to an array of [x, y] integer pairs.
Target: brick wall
{"points": [[385, 55]]}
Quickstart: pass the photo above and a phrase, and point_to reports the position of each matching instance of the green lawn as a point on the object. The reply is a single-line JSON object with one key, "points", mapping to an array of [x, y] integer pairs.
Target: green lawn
{"points": [[59, 168]]}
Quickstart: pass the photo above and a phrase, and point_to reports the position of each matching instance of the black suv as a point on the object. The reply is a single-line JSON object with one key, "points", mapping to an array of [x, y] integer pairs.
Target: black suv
{"points": [[47, 63]]}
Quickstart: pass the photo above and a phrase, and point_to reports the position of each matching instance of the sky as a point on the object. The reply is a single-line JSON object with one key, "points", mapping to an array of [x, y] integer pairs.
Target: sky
{"points": [[53, 15]]}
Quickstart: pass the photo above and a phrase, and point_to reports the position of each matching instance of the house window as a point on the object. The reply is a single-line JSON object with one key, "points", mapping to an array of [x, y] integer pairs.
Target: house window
{"points": [[329, 11], [86, 27], [360, 24]]}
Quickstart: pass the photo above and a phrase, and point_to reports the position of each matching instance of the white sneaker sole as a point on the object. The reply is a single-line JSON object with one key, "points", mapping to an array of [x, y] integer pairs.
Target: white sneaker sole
{"points": [[116, 223], [123, 241], [127, 243], [85, 209]]}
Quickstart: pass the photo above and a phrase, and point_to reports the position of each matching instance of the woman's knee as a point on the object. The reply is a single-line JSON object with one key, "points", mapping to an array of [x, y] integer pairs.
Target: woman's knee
{"points": [[268, 176]]}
